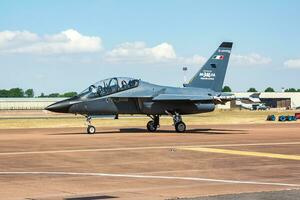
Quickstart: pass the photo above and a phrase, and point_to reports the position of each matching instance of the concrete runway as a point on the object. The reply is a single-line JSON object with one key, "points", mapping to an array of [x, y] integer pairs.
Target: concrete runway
{"points": [[130, 163]]}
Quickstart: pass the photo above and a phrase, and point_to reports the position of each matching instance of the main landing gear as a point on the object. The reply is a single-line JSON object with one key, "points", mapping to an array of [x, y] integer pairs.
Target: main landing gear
{"points": [[180, 126], [153, 124], [90, 129]]}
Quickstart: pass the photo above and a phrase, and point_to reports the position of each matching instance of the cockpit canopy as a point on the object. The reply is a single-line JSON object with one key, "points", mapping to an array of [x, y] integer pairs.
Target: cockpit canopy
{"points": [[109, 86]]}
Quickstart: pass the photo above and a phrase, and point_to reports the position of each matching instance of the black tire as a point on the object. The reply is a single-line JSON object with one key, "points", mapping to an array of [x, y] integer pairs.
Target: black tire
{"points": [[91, 129], [180, 127], [151, 126]]}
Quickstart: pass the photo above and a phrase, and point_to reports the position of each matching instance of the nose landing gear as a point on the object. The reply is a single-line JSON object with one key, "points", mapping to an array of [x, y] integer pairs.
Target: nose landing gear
{"points": [[90, 129]]}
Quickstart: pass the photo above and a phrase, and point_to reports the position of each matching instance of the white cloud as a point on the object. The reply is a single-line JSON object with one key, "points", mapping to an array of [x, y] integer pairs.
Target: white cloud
{"points": [[13, 39], [250, 59], [69, 41], [292, 63], [163, 51], [138, 52], [194, 60]]}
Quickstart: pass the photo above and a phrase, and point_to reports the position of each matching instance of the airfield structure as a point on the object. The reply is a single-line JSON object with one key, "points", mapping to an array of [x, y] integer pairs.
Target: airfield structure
{"points": [[272, 99]]}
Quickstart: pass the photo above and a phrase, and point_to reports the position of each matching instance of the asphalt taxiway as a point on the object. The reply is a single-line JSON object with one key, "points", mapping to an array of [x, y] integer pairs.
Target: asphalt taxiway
{"points": [[130, 163]]}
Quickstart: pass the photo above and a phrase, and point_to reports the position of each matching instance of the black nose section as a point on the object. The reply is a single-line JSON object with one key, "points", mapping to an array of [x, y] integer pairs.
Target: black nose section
{"points": [[61, 106]]}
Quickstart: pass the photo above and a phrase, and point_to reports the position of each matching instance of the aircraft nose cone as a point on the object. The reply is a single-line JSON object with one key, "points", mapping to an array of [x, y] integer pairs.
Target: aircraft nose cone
{"points": [[61, 107]]}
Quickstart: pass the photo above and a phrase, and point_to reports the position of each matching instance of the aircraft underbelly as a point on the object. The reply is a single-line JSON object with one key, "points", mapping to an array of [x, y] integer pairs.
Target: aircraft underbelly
{"points": [[127, 106], [139, 106], [177, 106]]}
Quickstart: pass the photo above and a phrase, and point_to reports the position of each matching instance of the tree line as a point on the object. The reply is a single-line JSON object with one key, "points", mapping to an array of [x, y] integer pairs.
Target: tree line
{"points": [[18, 92]]}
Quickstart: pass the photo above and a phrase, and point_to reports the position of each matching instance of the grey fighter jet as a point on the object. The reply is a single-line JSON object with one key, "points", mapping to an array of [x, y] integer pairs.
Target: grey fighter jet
{"points": [[119, 95]]}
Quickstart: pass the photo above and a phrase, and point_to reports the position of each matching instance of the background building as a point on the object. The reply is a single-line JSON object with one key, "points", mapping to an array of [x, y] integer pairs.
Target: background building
{"points": [[275, 99], [26, 103]]}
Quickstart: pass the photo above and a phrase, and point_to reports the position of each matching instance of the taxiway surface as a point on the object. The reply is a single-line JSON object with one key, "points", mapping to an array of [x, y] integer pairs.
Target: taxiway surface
{"points": [[130, 163]]}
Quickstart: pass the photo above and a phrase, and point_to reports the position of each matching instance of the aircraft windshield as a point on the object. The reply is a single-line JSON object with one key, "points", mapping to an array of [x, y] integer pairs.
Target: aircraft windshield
{"points": [[109, 86]]}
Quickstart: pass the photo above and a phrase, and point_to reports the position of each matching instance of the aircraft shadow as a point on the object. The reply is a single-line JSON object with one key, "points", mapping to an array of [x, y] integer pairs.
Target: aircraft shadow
{"points": [[189, 131], [91, 197], [193, 131]]}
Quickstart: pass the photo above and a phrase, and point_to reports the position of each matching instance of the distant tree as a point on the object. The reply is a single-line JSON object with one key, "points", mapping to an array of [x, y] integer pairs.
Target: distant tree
{"points": [[54, 95], [42, 94], [290, 90], [298, 90], [252, 90], [269, 89], [69, 94], [16, 92], [226, 89], [29, 93], [4, 93]]}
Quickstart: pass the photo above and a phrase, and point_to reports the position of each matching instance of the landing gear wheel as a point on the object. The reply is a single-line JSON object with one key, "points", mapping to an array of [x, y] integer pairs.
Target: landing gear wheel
{"points": [[91, 129], [180, 127], [151, 126]]}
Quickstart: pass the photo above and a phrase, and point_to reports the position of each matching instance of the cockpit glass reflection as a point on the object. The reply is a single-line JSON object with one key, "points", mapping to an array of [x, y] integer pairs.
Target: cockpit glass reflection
{"points": [[109, 86]]}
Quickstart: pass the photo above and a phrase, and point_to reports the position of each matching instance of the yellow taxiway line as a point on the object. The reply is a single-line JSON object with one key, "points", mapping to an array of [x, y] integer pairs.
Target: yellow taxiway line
{"points": [[170, 146], [243, 153]]}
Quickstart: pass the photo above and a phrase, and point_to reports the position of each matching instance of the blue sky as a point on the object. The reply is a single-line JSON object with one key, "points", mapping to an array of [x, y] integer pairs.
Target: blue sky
{"points": [[66, 45]]}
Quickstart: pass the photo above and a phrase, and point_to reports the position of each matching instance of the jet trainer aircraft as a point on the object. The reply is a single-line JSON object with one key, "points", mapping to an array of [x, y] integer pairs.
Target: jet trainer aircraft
{"points": [[117, 95]]}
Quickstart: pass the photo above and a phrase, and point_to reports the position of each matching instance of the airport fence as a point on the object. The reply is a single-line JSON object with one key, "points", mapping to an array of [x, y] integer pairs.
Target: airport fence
{"points": [[26, 103]]}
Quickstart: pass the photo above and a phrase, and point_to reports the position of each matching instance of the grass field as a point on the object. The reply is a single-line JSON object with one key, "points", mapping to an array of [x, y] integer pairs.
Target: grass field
{"points": [[216, 117]]}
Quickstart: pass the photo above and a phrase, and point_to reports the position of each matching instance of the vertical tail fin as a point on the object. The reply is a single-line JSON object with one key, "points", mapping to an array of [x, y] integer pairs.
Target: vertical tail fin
{"points": [[212, 74]]}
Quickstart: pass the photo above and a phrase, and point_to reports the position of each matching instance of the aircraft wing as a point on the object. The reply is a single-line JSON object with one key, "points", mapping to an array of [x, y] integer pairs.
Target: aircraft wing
{"points": [[180, 97]]}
